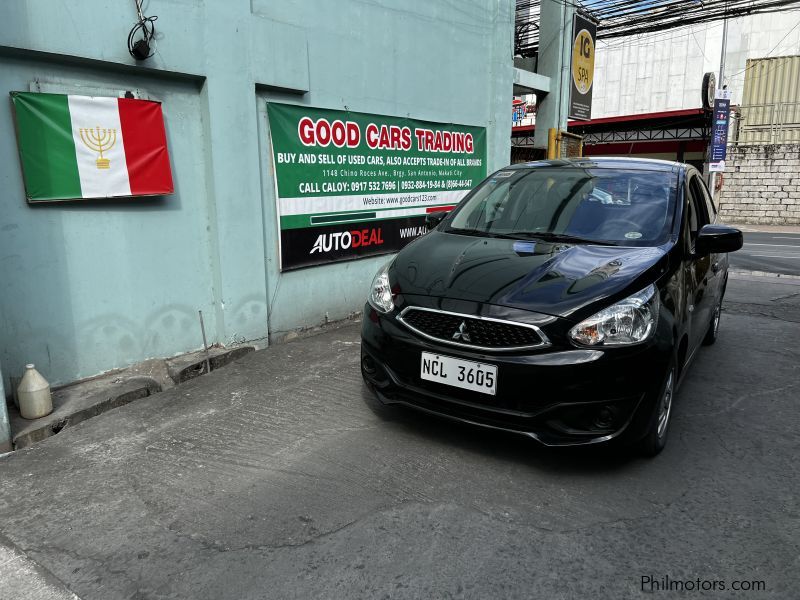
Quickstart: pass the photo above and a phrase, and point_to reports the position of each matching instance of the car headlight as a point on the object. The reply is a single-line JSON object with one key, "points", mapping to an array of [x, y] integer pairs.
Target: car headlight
{"points": [[629, 321], [380, 294]]}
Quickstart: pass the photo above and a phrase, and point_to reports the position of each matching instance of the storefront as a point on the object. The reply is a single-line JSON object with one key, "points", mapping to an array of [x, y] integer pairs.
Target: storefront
{"points": [[680, 135]]}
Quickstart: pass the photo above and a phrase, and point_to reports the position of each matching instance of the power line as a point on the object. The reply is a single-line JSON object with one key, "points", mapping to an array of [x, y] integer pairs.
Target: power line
{"points": [[767, 54], [624, 18], [645, 39], [699, 47]]}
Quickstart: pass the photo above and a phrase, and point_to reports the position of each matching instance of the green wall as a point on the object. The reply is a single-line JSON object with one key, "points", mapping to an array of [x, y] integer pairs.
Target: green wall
{"points": [[92, 286]]}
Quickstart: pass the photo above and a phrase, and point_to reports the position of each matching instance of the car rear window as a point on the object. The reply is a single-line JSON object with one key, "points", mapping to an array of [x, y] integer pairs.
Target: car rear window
{"points": [[627, 207]]}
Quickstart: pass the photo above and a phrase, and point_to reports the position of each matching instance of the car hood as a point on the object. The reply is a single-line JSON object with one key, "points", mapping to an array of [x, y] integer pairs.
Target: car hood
{"points": [[556, 279]]}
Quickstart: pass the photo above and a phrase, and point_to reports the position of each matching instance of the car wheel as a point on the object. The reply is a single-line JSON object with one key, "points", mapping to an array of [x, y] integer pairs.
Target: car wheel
{"points": [[656, 437], [713, 327]]}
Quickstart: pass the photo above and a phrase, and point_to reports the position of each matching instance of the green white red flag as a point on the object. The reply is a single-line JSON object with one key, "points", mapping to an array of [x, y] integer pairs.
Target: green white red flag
{"points": [[91, 147]]}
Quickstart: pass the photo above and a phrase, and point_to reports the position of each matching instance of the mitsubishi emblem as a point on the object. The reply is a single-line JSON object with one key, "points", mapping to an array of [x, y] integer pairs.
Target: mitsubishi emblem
{"points": [[461, 333]]}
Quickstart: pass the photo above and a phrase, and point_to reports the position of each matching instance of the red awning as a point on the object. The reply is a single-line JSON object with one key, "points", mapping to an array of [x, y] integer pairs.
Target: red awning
{"points": [[637, 119]]}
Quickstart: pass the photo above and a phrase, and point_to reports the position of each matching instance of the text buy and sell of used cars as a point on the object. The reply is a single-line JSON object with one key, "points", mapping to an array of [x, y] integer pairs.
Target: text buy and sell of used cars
{"points": [[560, 299]]}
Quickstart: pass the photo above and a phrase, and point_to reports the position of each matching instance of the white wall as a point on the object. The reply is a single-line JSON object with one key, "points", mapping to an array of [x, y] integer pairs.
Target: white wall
{"points": [[664, 70], [762, 185]]}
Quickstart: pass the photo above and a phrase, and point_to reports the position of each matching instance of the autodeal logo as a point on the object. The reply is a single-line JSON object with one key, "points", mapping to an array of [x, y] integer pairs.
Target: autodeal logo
{"points": [[344, 240]]}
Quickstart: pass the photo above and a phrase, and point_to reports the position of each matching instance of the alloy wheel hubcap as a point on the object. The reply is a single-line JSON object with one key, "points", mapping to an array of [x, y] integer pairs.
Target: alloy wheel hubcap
{"points": [[665, 406]]}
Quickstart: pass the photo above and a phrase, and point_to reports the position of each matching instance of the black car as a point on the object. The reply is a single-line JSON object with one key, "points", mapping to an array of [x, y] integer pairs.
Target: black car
{"points": [[560, 299]]}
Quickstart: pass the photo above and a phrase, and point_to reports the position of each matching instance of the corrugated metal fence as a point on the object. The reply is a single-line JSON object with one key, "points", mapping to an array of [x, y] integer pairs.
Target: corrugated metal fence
{"points": [[770, 109]]}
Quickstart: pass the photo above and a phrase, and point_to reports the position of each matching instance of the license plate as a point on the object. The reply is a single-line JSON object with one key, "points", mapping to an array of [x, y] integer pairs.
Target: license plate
{"points": [[466, 374]]}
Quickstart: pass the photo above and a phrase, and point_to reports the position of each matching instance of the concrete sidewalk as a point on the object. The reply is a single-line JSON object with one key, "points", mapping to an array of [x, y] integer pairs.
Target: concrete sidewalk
{"points": [[278, 477]]}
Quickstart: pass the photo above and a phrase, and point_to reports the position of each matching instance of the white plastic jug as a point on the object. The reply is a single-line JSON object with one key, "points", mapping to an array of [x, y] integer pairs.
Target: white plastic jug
{"points": [[34, 394]]}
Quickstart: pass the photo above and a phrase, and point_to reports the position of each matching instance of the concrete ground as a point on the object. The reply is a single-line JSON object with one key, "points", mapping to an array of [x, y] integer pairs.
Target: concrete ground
{"points": [[775, 251], [278, 477], [768, 228]]}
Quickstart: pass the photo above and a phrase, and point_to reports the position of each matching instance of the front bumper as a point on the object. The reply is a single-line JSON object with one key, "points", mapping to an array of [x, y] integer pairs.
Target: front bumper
{"points": [[559, 395]]}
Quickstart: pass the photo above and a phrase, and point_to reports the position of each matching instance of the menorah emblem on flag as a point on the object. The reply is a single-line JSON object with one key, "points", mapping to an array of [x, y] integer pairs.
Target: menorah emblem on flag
{"points": [[100, 140]]}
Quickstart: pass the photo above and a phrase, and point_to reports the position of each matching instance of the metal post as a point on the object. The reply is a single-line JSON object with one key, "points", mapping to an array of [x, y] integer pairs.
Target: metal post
{"points": [[552, 143], [5, 425], [205, 343], [724, 50], [720, 84]]}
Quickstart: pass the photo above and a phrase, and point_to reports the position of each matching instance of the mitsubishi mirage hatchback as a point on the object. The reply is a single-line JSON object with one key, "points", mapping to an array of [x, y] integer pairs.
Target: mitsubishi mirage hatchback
{"points": [[562, 300]]}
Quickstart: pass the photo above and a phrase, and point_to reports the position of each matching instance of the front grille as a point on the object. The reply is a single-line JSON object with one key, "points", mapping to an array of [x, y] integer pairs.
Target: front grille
{"points": [[472, 332]]}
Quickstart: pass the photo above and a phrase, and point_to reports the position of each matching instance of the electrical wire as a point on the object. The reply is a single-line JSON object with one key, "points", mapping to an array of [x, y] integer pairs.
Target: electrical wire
{"points": [[648, 39], [766, 55], [624, 18], [141, 48]]}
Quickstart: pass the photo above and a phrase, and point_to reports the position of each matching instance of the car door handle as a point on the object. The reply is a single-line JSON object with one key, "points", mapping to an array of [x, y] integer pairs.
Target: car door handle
{"points": [[715, 267]]}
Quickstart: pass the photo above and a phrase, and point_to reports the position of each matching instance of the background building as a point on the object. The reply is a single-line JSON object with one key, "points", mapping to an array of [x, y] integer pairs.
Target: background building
{"points": [[647, 102], [661, 75], [664, 71]]}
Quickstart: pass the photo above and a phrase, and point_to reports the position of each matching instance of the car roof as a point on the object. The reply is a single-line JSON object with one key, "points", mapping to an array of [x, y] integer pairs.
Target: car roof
{"points": [[606, 162]]}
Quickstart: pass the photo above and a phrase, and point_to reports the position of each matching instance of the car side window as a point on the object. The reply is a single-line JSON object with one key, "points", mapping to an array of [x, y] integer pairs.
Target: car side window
{"points": [[697, 216], [711, 210]]}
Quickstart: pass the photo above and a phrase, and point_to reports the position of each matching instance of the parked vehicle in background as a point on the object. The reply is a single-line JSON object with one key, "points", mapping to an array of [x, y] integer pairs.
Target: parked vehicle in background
{"points": [[562, 300]]}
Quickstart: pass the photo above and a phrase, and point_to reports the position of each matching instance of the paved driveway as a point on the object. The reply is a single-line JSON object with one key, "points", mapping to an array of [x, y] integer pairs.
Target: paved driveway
{"points": [[276, 477]]}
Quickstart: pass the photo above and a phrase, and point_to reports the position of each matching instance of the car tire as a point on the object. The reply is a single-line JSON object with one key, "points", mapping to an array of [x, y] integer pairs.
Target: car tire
{"points": [[655, 439], [713, 326]]}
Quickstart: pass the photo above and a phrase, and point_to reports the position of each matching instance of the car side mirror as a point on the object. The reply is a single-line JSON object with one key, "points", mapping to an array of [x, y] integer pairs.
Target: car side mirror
{"points": [[433, 219], [714, 239]]}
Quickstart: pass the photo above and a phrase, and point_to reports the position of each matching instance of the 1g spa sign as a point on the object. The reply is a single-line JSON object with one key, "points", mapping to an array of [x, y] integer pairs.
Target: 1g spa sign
{"points": [[584, 33], [350, 185]]}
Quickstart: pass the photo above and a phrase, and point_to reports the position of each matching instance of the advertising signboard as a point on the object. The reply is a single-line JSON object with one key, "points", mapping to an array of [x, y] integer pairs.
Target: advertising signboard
{"points": [[518, 110], [584, 33], [350, 185], [719, 131]]}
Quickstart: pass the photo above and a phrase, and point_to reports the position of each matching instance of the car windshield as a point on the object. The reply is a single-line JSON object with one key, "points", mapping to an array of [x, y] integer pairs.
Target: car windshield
{"points": [[596, 205]]}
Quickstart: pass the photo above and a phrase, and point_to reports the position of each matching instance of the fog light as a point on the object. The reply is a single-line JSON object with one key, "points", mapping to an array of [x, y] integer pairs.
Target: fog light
{"points": [[368, 364], [592, 419], [605, 416]]}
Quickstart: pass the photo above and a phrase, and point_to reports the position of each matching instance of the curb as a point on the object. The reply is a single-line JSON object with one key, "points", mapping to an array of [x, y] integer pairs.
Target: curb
{"points": [[741, 273], [83, 400], [25, 579]]}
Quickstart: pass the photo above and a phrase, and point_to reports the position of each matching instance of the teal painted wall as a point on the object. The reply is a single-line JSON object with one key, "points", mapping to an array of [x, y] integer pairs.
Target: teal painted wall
{"points": [[88, 287]]}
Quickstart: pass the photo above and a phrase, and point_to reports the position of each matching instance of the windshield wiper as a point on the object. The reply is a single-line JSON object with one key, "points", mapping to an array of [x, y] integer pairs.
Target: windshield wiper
{"points": [[464, 231], [562, 237], [481, 232], [527, 235]]}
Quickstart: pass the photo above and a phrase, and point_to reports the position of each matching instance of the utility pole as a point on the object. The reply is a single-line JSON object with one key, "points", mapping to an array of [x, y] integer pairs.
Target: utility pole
{"points": [[712, 179], [555, 52], [724, 50]]}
